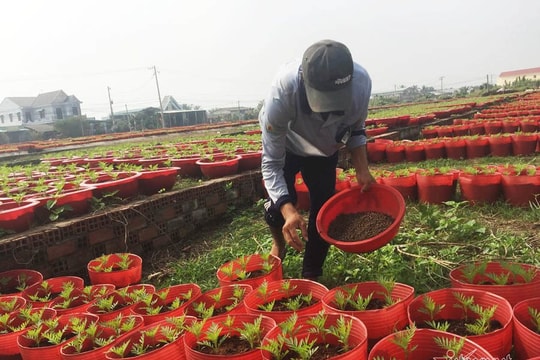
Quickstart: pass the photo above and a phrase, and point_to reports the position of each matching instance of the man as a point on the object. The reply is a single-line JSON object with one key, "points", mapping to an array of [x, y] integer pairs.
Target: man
{"points": [[315, 107]]}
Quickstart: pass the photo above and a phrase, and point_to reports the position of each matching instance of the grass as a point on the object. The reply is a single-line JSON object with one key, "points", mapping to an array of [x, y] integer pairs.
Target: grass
{"points": [[432, 240]]}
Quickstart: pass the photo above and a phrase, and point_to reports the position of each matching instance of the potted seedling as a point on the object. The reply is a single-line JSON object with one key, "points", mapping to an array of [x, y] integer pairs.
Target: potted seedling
{"points": [[119, 269], [511, 280], [483, 317], [324, 335], [43, 293], [414, 343], [168, 302], [250, 269], [279, 299], [526, 320], [160, 340], [225, 299], [98, 338], [14, 282], [45, 340], [235, 336], [381, 305], [15, 323]]}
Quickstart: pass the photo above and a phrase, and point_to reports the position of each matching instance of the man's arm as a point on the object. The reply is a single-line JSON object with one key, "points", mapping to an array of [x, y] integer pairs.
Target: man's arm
{"points": [[360, 162]]}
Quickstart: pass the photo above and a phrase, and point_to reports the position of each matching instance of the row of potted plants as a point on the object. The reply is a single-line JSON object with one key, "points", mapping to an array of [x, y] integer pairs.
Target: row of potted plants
{"points": [[485, 304], [464, 127], [460, 147]]}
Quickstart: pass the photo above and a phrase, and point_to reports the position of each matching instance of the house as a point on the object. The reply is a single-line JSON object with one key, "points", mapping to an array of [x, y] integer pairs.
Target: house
{"points": [[508, 77], [45, 108]]}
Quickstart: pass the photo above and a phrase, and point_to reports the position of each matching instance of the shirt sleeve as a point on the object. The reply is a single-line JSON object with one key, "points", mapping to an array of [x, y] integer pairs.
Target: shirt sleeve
{"points": [[274, 118], [358, 130]]}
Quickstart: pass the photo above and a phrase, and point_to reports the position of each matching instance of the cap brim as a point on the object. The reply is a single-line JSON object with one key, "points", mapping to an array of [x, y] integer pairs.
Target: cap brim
{"points": [[327, 101]]}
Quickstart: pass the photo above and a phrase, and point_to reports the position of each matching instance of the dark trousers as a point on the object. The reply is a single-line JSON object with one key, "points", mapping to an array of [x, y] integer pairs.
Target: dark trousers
{"points": [[319, 174]]}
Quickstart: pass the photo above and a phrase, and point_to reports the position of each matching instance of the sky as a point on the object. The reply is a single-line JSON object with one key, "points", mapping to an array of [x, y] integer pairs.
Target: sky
{"points": [[225, 53]]}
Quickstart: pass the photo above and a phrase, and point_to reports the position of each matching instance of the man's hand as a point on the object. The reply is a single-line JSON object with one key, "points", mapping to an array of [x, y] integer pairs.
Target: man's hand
{"points": [[293, 222], [365, 179]]}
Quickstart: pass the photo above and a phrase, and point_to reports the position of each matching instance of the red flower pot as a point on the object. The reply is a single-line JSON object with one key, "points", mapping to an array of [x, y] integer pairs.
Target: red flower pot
{"points": [[434, 149], [17, 217], [304, 331], [379, 322], [250, 161], [251, 269], [528, 125], [414, 151], [424, 347], [524, 144], [190, 340], [31, 351], [185, 293], [480, 188], [395, 152], [46, 294], [477, 128], [455, 148], [153, 181], [377, 150], [500, 145], [510, 126], [188, 166], [526, 338], [91, 351], [521, 190], [514, 292], [125, 185], [435, 188], [124, 303], [13, 282], [380, 198], [99, 273], [14, 303], [429, 132], [461, 130], [493, 127], [219, 166], [275, 292], [477, 147], [8, 340], [406, 185], [226, 299], [163, 349], [498, 342]]}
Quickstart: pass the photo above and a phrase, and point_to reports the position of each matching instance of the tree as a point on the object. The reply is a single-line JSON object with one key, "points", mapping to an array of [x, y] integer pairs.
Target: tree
{"points": [[147, 119], [74, 126]]}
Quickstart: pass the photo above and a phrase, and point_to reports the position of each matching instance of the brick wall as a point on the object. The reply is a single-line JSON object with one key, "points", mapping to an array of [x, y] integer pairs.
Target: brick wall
{"points": [[64, 248]]}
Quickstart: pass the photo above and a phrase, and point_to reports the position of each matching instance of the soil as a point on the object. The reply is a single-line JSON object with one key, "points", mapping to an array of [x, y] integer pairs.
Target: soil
{"points": [[359, 226], [458, 326], [230, 346], [374, 304], [281, 304], [324, 351]]}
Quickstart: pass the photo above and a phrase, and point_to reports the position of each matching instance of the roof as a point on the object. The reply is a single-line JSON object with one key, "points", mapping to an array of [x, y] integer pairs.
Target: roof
{"points": [[169, 103], [521, 72], [52, 97], [23, 101], [40, 127]]}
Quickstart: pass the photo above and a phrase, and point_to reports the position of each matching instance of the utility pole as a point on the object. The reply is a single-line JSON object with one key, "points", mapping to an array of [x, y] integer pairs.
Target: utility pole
{"points": [[441, 78], [110, 104], [127, 118], [487, 82], [159, 96]]}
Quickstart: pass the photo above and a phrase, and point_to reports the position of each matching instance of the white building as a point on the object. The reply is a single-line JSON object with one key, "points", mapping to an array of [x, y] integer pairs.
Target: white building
{"points": [[507, 77], [45, 108]]}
